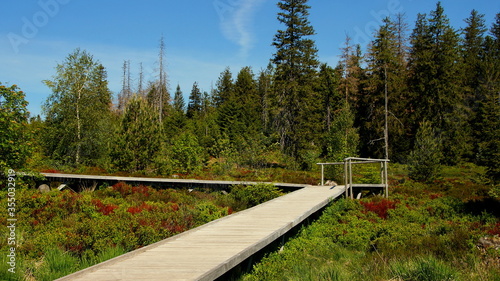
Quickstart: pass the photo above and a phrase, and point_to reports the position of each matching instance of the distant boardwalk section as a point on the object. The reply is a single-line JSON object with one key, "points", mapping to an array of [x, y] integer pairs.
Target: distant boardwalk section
{"points": [[209, 251]]}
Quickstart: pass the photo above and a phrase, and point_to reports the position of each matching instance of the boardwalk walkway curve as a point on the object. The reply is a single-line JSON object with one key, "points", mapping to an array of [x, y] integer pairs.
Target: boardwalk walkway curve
{"points": [[209, 251]]}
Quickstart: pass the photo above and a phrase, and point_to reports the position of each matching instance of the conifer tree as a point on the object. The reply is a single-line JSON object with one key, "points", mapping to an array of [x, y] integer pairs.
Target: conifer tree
{"points": [[487, 123], [425, 159], [138, 138], [437, 97], [383, 106], [195, 101], [179, 104], [264, 88], [224, 87], [176, 121], [296, 69]]}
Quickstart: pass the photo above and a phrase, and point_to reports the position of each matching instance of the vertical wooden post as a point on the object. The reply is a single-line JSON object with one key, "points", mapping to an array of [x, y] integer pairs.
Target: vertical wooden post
{"points": [[350, 178], [345, 179], [322, 175], [386, 180]]}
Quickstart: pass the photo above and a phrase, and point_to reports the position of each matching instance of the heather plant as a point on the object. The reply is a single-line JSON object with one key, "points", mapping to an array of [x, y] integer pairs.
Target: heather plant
{"points": [[61, 232]]}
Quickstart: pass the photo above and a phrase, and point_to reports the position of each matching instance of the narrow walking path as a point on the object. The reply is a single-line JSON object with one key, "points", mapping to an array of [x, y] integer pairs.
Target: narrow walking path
{"points": [[209, 251]]}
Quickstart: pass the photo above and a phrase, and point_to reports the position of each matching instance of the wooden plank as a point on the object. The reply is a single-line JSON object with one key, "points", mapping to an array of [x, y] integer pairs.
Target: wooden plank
{"points": [[186, 182], [209, 251], [368, 185]]}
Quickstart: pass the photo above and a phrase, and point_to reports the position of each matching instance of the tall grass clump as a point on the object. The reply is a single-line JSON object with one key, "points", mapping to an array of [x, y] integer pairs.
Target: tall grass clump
{"points": [[423, 269]]}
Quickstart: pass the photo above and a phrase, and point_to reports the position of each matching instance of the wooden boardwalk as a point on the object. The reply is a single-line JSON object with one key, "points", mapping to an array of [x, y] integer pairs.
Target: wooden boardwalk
{"points": [[186, 183], [209, 251]]}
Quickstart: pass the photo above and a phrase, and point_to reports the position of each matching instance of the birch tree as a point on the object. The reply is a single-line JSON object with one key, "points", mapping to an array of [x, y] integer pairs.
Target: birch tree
{"points": [[78, 111]]}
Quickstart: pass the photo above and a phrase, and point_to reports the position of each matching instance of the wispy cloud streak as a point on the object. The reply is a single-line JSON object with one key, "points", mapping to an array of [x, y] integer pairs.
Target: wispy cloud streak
{"points": [[236, 23]]}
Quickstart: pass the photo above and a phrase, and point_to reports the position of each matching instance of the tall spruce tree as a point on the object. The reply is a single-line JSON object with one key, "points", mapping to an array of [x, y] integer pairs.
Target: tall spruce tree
{"points": [[195, 101], [176, 120], [382, 106], [295, 101], [224, 87], [435, 65], [487, 123], [264, 88]]}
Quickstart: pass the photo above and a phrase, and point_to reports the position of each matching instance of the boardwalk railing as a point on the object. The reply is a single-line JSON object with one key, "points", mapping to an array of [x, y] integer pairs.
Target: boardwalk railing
{"points": [[348, 162]]}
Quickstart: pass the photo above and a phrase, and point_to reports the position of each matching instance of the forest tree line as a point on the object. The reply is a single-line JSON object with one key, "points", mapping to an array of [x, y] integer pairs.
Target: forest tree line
{"points": [[435, 88]]}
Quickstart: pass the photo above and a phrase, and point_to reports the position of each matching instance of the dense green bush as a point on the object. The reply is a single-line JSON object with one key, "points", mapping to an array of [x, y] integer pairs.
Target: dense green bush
{"points": [[251, 195], [425, 159]]}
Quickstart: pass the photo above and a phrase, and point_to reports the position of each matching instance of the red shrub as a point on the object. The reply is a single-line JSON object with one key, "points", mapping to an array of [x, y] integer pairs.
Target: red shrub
{"points": [[52, 171], [143, 207], [103, 208], [175, 207], [435, 196], [495, 230], [126, 190], [380, 208], [134, 210]]}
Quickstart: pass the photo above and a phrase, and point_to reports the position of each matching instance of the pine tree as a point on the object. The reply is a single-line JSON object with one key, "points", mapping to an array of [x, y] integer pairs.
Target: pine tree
{"points": [[77, 111], [383, 105], [487, 122], [179, 104], [425, 159], [195, 102], [224, 87], [435, 65], [296, 70], [246, 93], [138, 139], [264, 88], [176, 121]]}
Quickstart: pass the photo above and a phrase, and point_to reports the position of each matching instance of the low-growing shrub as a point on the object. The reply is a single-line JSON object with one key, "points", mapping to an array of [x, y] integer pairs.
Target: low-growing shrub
{"points": [[252, 195]]}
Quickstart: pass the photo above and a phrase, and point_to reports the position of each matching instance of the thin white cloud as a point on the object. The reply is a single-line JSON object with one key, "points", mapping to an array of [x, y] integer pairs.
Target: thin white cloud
{"points": [[237, 24]]}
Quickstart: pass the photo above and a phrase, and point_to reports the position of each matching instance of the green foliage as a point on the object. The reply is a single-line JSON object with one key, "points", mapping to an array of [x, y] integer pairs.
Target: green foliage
{"points": [[294, 100], [423, 268], [251, 195], [185, 155], [16, 143], [61, 232], [78, 111], [427, 237], [138, 138], [425, 159]]}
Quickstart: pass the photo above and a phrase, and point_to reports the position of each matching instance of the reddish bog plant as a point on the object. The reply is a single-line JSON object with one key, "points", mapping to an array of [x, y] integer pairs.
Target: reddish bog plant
{"points": [[126, 190], [380, 207], [143, 207], [105, 209]]}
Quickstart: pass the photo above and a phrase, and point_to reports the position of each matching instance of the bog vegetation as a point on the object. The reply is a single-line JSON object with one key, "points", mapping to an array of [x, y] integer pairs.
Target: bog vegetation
{"points": [[448, 229], [59, 233]]}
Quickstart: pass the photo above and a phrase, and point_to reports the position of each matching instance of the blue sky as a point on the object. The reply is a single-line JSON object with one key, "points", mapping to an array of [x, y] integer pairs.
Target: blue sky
{"points": [[202, 37]]}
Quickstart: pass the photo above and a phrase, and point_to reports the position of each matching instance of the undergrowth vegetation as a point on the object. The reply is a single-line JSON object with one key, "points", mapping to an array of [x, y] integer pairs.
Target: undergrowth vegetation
{"points": [[434, 231], [61, 232]]}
